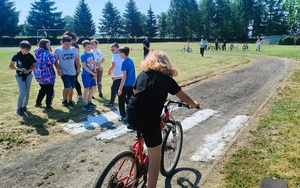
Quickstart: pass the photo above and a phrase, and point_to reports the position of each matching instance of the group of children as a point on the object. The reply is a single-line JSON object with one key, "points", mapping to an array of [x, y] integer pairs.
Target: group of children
{"points": [[145, 94]]}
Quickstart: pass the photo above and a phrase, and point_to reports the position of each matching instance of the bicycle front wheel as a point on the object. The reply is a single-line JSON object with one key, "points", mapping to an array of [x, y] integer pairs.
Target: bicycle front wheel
{"points": [[117, 172], [190, 50], [171, 148]]}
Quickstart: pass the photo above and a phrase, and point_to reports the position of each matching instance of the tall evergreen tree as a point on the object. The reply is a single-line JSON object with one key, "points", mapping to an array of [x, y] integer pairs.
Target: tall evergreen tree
{"points": [[178, 12], [111, 23], [258, 26], [162, 25], [275, 18], [221, 21], [151, 24], [42, 15], [133, 25], [193, 18], [207, 10], [9, 19], [245, 14], [83, 22]]}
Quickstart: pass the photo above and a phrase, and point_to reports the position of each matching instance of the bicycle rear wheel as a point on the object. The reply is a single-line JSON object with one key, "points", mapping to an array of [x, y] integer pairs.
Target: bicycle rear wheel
{"points": [[171, 148], [115, 173], [190, 50]]}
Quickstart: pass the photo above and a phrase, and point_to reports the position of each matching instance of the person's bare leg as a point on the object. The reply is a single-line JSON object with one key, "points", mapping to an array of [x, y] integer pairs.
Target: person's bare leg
{"points": [[154, 165], [65, 94], [70, 94], [86, 95], [91, 93]]}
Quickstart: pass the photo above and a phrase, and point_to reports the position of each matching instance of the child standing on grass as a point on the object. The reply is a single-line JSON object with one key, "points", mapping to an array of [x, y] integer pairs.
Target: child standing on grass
{"points": [[25, 63], [44, 73], [145, 106], [88, 75], [99, 59], [115, 70], [127, 82]]}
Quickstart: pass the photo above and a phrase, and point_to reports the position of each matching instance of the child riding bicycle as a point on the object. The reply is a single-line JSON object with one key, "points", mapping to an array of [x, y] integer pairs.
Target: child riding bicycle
{"points": [[144, 107]]}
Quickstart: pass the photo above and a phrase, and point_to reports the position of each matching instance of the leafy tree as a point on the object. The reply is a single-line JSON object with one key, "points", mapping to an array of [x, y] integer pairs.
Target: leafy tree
{"points": [[110, 24], [162, 25], [293, 9], [276, 21], [69, 21], [207, 11], [83, 22], [132, 20], [42, 15], [245, 12], [193, 18], [221, 21], [178, 13], [258, 20], [151, 24]]}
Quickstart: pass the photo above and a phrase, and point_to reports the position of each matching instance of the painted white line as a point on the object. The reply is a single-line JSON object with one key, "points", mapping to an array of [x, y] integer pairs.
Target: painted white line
{"points": [[114, 133], [196, 118], [91, 122], [215, 143]]}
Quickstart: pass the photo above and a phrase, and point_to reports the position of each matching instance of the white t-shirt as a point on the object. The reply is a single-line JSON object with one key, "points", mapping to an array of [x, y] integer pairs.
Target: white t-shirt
{"points": [[118, 61]]}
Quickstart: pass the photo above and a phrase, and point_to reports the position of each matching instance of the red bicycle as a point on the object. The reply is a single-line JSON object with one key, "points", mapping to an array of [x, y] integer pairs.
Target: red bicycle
{"points": [[129, 168]]}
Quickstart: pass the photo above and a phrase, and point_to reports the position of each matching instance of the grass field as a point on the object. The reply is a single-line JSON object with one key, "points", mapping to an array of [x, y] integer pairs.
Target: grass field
{"points": [[246, 166]]}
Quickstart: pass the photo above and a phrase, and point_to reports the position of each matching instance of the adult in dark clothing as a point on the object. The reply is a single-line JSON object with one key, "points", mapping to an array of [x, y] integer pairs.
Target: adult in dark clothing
{"points": [[146, 47]]}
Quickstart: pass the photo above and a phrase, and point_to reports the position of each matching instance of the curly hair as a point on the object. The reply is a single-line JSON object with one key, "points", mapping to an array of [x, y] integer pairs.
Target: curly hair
{"points": [[158, 61]]}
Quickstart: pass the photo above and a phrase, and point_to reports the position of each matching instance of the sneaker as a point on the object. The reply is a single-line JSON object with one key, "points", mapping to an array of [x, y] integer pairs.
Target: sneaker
{"points": [[101, 95], [71, 103], [20, 112], [80, 97], [24, 108], [49, 107], [109, 105], [124, 120], [87, 108], [38, 105], [92, 105], [65, 103]]}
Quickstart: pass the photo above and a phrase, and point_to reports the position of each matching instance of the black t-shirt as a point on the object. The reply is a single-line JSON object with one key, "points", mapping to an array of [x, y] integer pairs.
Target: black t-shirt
{"points": [[147, 44], [152, 91], [23, 61]]}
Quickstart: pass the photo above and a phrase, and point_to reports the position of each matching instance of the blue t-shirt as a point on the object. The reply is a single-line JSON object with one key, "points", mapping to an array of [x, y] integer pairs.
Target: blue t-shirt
{"points": [[66, 58], [128, 66], [88, 59]]}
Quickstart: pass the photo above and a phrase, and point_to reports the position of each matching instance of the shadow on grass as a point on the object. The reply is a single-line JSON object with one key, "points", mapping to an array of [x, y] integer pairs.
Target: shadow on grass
{"points": [[37, 122], [184, 177]]}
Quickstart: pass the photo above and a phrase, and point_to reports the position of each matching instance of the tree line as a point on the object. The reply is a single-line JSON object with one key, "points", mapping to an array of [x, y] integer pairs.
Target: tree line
{"points": [[226, 19]]}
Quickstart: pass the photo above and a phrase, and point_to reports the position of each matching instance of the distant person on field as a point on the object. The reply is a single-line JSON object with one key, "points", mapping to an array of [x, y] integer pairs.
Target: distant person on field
{"points": [[258, 43], [202, 47], [88, 74], [217, 44], [25, 63], [44, 73], [75, 45], [64, 62], [128, 79], [205, 44], [116, 72], [145, 106], [99, 59], [187, 45], [146, 47]]}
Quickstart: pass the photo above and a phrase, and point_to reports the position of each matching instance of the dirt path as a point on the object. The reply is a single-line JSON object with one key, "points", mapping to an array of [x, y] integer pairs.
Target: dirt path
{"points": [[76, 161]]}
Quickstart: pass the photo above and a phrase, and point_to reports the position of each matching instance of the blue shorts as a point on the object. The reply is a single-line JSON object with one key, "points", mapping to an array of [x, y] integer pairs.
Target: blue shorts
{"points": [[69, 81], [88, 81]]}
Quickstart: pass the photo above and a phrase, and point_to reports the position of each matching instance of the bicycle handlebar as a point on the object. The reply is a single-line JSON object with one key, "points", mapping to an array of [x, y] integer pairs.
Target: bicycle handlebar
{"points": [[180, 104]]}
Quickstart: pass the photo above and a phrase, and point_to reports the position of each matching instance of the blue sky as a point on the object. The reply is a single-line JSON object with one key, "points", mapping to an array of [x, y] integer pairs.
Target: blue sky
{"points": [[96, 6]]}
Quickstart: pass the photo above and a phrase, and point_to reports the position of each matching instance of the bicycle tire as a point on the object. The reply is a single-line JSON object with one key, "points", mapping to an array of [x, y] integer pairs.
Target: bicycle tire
{"points": [[183, 50], [171, 148], [190, 50], [107, 176]]}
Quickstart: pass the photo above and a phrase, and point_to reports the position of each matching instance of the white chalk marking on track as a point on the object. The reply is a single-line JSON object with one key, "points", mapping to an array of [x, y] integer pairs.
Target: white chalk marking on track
{"points": [[113, 133], [91, 123], [197, 118], [215, 143]]}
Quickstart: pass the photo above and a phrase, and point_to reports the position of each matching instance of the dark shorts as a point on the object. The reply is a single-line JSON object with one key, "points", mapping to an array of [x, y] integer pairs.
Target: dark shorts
{"points": [[88, 81], [149, 127], [69, 81]]}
